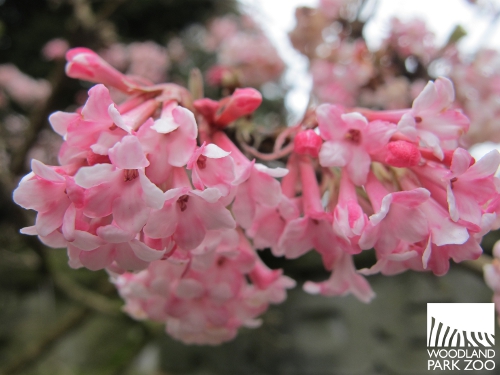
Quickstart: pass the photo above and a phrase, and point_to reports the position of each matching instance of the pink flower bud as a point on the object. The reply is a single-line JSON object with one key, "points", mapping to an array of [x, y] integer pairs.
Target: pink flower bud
{"points": [[307, 142], [402, 154], [87, 65], [242, 103]]}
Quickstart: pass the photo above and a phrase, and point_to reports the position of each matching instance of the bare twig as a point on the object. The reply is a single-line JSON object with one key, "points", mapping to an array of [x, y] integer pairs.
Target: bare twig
{"points": [[88, 298], [282, 137], [267, 157]]}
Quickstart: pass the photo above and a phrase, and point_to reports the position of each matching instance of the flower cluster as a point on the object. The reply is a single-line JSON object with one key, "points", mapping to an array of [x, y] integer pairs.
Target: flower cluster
{"points": [[205, 298], [154, 190], [134, 191], [394, 181]]}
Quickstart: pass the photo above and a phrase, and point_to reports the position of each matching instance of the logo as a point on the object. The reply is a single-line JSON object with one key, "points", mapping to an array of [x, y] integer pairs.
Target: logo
{"points": [[460, 336]]}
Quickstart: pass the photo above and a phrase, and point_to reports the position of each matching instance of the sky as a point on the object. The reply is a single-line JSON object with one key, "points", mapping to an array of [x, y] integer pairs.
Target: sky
{"points": [[277, 18]]}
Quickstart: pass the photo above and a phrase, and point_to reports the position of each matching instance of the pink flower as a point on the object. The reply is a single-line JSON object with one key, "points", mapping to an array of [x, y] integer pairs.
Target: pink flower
{"points": [[256, 183], [121, 188], [349, 220], [344, 280], [260, 188], [269, 223], [307, 142], [431, 120], [402, 154], [98, 127], [169, 142], [220, 114], [114, 248], [350, 140], [187, 215], [45, 190], [437, 258], [211, 166], [465, 188], [92, 242], [269, 285], [390, 224], [470, 186], [216, 243], [87, 65], [400, 259], [314, 230], [446, 240]]}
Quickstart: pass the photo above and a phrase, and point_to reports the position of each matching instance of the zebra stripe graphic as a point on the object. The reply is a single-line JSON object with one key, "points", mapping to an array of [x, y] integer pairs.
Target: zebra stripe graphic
{"points": [[445, 336]]}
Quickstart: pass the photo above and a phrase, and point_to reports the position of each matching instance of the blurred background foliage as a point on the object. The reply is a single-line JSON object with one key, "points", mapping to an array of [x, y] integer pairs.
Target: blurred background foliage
{"points": [[54, 320]]}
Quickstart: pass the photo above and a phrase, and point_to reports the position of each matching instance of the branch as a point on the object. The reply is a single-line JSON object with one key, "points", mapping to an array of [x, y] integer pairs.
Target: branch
{"points": [[267, 157], [88, 298]]}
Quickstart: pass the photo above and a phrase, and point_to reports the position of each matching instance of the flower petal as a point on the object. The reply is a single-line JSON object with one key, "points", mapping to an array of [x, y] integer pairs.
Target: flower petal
{"points": [[96, 107], [118, 119], [358, 166], [162, 223], [45, 172], [96, 259], [144, 252], [88, 177], [331, 125], [60, 121], [213, 215], [334, 154], [460, 162], [165, 125], [484, 167], [128, 154], [86, 241], [152, 194], [273, 172], [129, 212], [47, 222], [113, 234]]}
